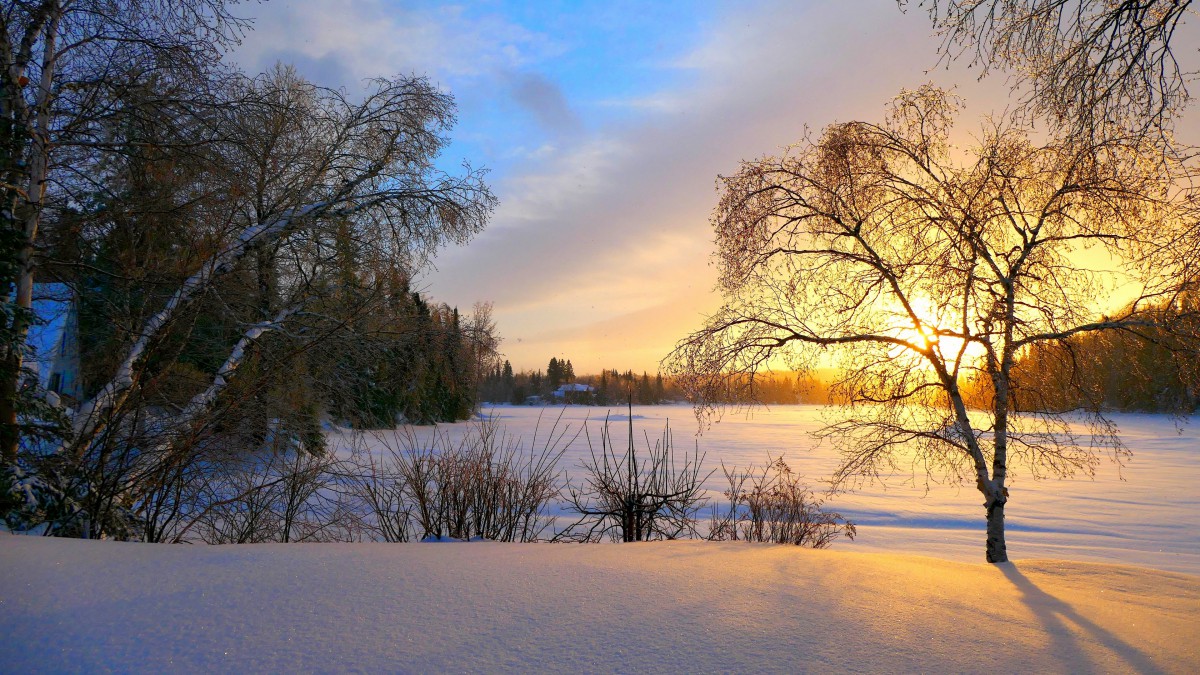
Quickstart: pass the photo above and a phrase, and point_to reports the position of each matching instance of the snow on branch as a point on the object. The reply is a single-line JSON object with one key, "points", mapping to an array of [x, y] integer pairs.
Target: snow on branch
{"points": [[87, 419], [200, 402]]}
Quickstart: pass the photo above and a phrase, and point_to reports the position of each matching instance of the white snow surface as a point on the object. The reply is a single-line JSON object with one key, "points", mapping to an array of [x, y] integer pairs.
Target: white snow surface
{"points": [[1104, 580], [688, 606], [1146, 513]]}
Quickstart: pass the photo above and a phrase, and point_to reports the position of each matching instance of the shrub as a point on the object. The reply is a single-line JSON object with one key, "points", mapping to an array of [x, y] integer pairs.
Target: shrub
{"points": [[629, 498], [771, 504], [486, 485]]}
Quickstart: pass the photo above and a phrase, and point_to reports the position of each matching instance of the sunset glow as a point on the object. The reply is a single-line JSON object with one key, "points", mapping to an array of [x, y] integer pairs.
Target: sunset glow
{"points": [[556, 336], [599, 250], [932, 332]]}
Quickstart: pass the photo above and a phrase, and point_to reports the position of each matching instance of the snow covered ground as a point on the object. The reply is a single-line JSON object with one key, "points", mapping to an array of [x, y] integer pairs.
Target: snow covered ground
{"points": [[1146, 514], [693, 606], [1105, 580]]}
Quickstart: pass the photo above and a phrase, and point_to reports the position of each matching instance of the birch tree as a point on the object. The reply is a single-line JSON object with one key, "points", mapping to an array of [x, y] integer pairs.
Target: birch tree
{"points": [[59, 61], [265, 183], [306, 167], [1089, 68], [872, 248]]}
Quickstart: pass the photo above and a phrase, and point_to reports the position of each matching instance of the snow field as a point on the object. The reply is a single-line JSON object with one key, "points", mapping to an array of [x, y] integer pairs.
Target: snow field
{"points": [[86, 606], [1145, 514], [865, 606]]}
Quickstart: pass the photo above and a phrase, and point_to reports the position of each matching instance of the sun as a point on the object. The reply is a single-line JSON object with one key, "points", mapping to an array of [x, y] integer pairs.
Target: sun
{"points": [[934, 328]]}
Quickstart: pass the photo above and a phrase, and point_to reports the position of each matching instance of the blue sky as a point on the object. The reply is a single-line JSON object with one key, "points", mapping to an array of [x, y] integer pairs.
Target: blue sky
{"points": [[527, 77], [589, 65], [605, 126]]}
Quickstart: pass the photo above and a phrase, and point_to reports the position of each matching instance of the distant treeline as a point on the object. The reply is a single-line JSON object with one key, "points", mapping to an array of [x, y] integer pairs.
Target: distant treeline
{"points": [[613, 386], [502, 385], [1148, 370]]}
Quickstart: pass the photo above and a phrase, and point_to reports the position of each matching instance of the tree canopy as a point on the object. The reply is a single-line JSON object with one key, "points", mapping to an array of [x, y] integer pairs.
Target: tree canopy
{"points": [[875, 246], [1089, 68]]}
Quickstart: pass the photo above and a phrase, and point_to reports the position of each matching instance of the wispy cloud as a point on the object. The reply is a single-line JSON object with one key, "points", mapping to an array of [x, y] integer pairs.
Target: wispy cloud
{"points": [[545, 100], [659, 103], [357, 39], [614, 230]]}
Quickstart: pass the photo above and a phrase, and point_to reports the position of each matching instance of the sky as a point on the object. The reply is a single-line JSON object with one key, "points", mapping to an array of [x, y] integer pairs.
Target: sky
{"points": [[604, 126]]}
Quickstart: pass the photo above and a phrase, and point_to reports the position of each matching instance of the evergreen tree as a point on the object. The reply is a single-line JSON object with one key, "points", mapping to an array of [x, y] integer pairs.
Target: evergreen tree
{"points": [[644, 393]]}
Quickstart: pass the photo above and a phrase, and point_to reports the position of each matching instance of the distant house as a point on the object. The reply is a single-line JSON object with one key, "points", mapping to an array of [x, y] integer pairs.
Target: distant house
{"points": [[53, 340], [574, 393]]}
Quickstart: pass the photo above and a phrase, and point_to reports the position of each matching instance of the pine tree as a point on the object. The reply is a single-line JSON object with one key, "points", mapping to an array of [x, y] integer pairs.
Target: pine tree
{"points": [[507, 381]]}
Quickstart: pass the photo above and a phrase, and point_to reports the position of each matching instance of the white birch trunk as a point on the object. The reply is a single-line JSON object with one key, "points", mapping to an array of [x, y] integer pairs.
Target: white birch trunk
{"points": [[88, 419], [200, 402]]}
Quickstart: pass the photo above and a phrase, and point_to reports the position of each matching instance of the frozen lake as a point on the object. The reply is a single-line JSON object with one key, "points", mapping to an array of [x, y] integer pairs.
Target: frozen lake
{"points": [[1147, 513]]}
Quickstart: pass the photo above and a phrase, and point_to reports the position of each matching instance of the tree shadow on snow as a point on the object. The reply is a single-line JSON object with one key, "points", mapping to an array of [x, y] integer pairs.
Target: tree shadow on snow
{"points": [[1056, 617]]}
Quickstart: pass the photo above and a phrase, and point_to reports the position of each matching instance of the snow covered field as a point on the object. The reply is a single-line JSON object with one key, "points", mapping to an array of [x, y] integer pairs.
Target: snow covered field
{"points": [[87, 606], [1105, 580], [1146, 514]]}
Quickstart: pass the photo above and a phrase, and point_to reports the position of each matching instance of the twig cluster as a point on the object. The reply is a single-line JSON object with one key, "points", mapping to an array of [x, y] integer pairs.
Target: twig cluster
{"points": [[484, 486], [771, 504], [628, 498]]}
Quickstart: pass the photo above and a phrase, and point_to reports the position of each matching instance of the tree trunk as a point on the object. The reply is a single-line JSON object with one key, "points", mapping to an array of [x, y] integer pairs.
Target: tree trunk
{"points": [[30, 217], [10, 438], [996, 550]]}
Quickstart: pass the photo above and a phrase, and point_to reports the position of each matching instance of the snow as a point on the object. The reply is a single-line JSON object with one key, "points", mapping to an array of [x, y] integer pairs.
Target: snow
{"points": [[1105, 579], [68, 605], [1146, 514]]}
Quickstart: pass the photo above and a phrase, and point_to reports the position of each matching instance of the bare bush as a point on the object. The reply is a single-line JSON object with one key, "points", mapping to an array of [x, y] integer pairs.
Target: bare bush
{"points": [[284, 495], [656, 497], [380, 493], [486, 485], [771, 504]]}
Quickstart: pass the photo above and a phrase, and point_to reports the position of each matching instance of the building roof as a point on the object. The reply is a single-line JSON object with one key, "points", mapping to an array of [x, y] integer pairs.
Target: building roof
{"points": [[574, 386], [51, 305]]}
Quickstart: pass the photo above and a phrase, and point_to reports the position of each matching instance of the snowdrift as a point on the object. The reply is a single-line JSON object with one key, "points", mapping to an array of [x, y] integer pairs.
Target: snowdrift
{"points": [[70, 605]]}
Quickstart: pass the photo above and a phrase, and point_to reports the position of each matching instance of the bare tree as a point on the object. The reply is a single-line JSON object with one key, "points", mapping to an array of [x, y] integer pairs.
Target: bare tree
{"points": [[1090, 67], [873, 247], [60, 62], [483, 342]]}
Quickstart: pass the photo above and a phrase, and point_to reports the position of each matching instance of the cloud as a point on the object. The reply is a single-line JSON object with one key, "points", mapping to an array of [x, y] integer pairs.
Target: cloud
{"points": [[544, 99], [372, 38], [658, 103], [616, 225], [601, 243], [330, 67]]}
